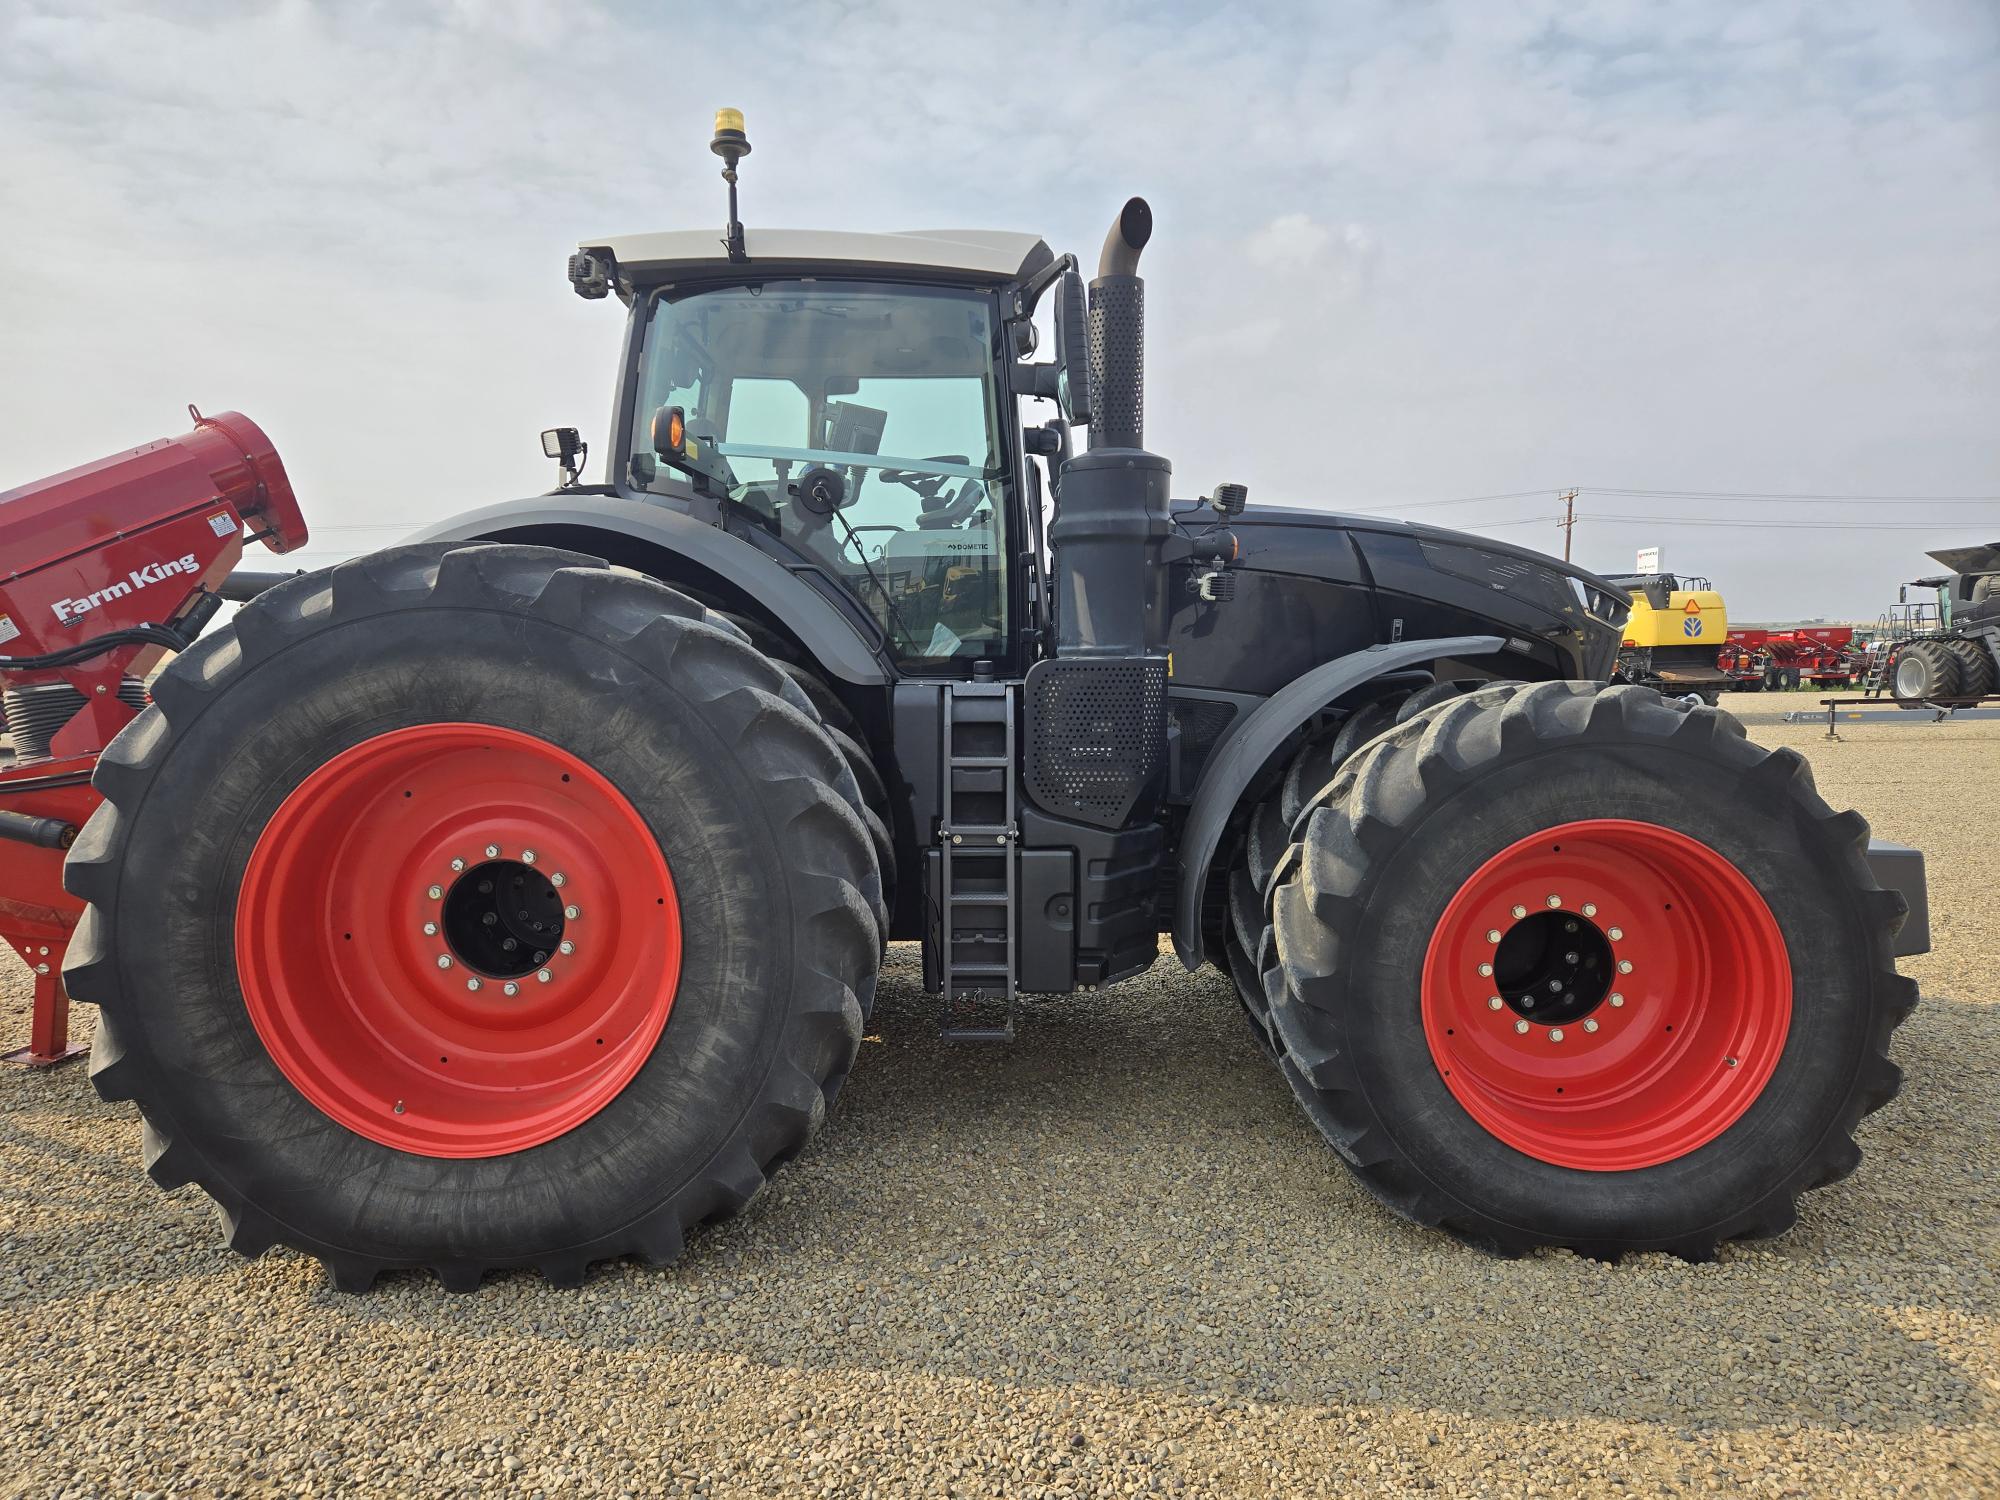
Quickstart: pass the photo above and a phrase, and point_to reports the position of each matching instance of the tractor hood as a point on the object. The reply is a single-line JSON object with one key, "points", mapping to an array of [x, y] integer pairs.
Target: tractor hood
{"points": [[1426, 581]]}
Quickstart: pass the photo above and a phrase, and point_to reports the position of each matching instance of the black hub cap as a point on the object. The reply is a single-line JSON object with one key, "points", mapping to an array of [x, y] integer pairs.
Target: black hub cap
{"points": [[1553, 967], [503, 918]]}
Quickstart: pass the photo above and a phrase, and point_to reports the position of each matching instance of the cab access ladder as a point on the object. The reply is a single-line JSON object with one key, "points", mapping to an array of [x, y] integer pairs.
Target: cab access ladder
{"points": [[979, 872]]}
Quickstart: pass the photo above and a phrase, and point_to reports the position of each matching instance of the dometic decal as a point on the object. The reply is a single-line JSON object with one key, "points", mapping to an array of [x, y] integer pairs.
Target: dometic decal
{"points": [[69, 610]]}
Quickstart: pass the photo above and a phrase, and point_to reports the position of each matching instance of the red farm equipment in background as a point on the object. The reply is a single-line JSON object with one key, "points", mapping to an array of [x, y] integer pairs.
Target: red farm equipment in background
{"points": [[1822, 655], [109, 566]]}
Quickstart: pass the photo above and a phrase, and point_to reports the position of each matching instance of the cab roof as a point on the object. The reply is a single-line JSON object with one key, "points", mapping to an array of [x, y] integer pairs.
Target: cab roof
{"points": [[976, 254]]}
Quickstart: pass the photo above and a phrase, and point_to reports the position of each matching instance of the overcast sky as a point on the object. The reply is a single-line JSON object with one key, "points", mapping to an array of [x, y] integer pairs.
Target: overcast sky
{"points": [[1405, 253]]}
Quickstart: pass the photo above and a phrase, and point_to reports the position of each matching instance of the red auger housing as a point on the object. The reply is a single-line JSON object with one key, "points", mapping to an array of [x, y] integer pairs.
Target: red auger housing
{"points": [[104, 569]]}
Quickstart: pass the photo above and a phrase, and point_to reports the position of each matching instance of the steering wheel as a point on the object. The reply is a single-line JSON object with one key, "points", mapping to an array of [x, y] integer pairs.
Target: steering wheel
{"points": [[939, 509], [928, 486]]}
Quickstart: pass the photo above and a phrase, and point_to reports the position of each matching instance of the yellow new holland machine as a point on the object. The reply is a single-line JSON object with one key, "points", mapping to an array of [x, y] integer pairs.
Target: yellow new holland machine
{"points": [[1674, 636]]}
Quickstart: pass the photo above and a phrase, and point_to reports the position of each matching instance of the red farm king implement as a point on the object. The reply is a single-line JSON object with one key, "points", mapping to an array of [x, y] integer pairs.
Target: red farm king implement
{"points": [[1757, 659], [108, 567]]}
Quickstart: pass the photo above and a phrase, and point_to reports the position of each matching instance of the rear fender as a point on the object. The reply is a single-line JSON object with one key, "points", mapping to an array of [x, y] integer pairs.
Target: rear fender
{"points": [[678, 549], [1257, 737]]}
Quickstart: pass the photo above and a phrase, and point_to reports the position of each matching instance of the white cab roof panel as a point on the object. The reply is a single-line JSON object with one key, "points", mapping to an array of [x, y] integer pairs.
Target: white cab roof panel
{"points": [[980, 252]]}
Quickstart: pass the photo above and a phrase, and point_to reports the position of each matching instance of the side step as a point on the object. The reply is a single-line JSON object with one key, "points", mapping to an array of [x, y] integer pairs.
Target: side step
{"points": [[979, 868]]}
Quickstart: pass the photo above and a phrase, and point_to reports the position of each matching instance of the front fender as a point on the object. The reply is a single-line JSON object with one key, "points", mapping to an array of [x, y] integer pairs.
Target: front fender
{"points": [[1256, 738], [834, 640]]}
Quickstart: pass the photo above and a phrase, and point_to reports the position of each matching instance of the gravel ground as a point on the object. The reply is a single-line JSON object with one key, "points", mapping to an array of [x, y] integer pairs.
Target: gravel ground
{"points": [[1110, 1259]]}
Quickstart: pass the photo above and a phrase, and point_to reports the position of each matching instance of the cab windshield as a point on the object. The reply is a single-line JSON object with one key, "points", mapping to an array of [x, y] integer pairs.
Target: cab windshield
{"points": [[889, 388]]}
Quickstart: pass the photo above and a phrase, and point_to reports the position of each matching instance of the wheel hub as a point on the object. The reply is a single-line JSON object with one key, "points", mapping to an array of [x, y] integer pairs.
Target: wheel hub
{"points": [[503, 918], [1553, 968]]}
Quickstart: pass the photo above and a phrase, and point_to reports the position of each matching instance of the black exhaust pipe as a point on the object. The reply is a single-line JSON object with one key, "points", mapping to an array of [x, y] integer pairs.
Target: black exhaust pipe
{"points": [[1112, 516], [1097, 711], [1118, 332]]}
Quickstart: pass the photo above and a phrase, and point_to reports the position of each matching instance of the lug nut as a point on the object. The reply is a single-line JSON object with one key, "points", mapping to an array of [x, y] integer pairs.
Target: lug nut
{"points": [[1521, 1026], [436, 893], [1590, 908], [545, 976], [1615, 933], [458, 864], [1624, 966], [1520, 912], [1616, 1000], [430, 929], [1590, 1024], [1485, 970], [1492, 934], [565, 946], [1569, 958], [472, 984], [559, 879], [1555, 986], [1555, 902], [510, 988], [572, 912], [527, 856], [444, 960], [492, 851], [1556, 1034], [1494, 1002]]}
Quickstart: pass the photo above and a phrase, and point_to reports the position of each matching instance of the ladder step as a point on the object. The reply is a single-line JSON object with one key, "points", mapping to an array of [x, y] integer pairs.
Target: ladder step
{"points": [[962, 761], [980, 898], [979, 971]]}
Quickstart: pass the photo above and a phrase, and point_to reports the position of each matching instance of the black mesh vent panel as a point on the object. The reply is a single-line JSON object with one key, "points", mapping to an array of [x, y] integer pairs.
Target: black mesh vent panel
{"points": [[1096, 732], [1202, 722]]}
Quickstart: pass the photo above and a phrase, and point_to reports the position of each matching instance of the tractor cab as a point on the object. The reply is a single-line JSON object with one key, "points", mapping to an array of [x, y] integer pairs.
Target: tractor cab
{"points": [[856, 422]]}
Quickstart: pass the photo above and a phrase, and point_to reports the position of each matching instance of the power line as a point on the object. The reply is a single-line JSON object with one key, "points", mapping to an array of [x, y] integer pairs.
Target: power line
{"points": [[1794, 498], [1769, 525]]}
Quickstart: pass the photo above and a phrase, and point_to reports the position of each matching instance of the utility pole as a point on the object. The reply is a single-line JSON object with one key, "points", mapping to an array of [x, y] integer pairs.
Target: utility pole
{"points": [[1568, 521]]}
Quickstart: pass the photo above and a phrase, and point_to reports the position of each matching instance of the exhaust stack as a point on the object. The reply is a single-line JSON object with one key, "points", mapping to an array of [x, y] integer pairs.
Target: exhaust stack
{"points": [[1118, 332]]}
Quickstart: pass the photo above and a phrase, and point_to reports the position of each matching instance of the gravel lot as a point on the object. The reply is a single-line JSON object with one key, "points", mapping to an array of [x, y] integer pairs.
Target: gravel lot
{"points": [[1110, 1259]]}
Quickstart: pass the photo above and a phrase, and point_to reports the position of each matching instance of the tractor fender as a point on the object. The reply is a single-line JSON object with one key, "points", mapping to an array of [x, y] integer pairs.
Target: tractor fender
{"points": [[836, 641], [1249, 746]]}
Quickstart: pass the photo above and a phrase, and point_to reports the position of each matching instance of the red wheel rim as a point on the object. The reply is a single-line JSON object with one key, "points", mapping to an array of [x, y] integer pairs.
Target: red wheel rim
{"points": [[1692, 982], [372, 933]]}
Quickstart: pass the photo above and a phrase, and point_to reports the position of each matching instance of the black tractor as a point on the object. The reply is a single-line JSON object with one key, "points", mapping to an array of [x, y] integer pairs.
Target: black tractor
{"points": [[517, 897]]}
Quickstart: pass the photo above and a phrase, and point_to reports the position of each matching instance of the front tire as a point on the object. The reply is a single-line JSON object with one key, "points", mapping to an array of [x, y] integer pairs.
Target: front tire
{"points": [[1671, 1105], [1924, 670], [297, 941]]}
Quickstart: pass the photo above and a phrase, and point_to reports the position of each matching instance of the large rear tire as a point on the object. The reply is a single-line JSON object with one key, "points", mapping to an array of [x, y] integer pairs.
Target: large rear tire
{"points": [[1977, 673], [296, 947], [1565, 964]]}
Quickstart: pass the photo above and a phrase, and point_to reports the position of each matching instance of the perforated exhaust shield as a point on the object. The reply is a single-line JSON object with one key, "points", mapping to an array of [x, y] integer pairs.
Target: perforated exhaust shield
{"points": [[1096, 735], [1118, 362]]}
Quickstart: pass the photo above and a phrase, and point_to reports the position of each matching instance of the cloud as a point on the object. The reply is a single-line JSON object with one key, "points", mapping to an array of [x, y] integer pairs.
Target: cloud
{"points": [[1405, 252]]}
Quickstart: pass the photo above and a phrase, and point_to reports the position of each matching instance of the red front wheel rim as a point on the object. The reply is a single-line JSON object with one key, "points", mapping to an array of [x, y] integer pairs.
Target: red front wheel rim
{"points": [[1607, 995], [458, 940]]}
